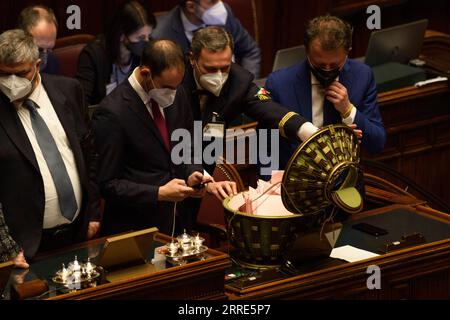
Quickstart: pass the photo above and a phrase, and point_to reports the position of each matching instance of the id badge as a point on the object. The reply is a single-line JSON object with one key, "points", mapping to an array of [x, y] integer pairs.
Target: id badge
{"points": [[214, 130]]}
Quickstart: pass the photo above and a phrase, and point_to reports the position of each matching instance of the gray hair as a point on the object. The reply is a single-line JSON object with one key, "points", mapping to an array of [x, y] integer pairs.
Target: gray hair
{"points": [[215, 39], [17, 47], [332, 32]]}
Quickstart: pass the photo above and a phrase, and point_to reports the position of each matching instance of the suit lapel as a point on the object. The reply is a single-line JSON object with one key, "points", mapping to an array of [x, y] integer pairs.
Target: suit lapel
{"points": [[302, 89], [138, 107], [10, 121], [178, 28]]}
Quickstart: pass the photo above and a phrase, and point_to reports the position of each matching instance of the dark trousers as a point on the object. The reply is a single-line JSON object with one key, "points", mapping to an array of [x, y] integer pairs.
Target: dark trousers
{"points": [[57, 238]]}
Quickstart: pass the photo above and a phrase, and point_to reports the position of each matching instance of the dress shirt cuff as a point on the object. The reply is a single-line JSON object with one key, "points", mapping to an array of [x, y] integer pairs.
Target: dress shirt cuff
{"points": [[351, 118], [306, 131]]}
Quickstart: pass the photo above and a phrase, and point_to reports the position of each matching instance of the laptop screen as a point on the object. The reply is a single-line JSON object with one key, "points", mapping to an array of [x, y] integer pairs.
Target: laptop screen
{"points": [[288, 57], [397, 44]]}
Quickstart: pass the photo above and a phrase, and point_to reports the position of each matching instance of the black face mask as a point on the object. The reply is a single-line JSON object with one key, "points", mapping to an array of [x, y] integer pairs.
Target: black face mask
{"points": [[325, 77], [137, 48]]}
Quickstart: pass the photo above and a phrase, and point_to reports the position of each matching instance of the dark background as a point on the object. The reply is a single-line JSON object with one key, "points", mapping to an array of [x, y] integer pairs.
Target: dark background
{"points": [[280, 22]]}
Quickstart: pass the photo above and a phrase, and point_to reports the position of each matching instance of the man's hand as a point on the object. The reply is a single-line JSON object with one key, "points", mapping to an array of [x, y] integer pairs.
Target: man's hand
{"points": [[358, 132], [222, 189], [93, 229], [197, 179], [174, 191], [337, 94], [20, 261]]}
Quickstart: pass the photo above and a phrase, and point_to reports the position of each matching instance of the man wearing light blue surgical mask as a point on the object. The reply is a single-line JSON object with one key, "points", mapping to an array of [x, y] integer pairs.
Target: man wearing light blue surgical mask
{"points": [[40, 22], [181, 23]]}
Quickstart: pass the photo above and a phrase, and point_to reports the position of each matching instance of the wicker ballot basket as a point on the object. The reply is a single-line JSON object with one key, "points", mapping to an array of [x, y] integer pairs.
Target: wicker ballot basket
{"points": [[322, 173]]}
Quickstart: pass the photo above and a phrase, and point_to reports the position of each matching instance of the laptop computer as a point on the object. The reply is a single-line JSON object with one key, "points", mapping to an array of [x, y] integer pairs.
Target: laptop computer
{"points": [[288, 57], [397, 44]]}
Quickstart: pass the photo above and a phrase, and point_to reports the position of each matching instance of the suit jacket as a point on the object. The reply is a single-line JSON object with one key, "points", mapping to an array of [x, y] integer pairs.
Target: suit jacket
{"points": [[133, 161], [246, 51], [291, 87], [21, 185], [52, 66], [94, 70], [240, 95]]}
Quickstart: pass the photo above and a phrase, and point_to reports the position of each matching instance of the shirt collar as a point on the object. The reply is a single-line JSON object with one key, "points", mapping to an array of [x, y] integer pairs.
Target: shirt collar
{"points": [[138, 88], [187, 25], [34, 96]]}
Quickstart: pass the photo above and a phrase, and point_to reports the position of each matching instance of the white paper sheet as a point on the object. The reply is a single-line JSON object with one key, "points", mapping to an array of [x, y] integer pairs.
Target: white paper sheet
{"points": [[351, 254]]}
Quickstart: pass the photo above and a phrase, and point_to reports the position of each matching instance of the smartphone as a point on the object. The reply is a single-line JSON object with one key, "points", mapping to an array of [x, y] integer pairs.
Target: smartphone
{"points": [[370, 229], [199, 186]]}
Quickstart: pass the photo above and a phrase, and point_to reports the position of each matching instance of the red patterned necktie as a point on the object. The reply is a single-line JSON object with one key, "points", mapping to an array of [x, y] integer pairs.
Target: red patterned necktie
{"points": [[160, 123]]}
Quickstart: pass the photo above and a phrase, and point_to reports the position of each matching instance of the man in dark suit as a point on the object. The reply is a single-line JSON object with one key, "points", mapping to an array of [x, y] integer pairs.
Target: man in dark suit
{"points": [[328, 88], [132, 126], [40, 22], [47, 170], [216, 85], [180, 24]]}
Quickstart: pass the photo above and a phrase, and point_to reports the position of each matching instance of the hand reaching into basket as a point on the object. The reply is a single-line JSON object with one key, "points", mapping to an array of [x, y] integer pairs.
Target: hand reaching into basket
{"points": [[222, 189]]}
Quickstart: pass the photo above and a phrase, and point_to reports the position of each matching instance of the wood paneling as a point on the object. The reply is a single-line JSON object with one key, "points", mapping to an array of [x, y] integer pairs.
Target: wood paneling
{"points": [[420, 272]]}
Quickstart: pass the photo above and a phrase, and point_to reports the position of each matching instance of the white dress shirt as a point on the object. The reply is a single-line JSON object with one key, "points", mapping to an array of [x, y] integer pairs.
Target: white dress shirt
{"points": [[52, 213], [318, 101], [142, 93]]}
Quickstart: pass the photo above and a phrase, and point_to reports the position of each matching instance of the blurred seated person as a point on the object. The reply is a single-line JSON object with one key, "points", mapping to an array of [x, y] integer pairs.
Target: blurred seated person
{"points": [[139, 181], [110, 59], [329, 88], [189, 16], [47, 169], [40, 22], [9, 249]]}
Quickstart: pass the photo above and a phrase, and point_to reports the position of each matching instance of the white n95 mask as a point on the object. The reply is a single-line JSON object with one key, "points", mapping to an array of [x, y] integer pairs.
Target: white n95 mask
{"points": [[164, 97], [213, 82], [15, 87], [216, 15]]}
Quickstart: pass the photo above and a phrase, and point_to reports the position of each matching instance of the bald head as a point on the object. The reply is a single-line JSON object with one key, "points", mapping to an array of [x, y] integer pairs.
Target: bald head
{"points": [[160, 55], [40, 22]]}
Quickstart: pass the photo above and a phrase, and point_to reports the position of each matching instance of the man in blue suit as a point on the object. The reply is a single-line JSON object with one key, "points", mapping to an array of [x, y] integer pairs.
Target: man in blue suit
{"points": [[328, 88], [191, 15]]}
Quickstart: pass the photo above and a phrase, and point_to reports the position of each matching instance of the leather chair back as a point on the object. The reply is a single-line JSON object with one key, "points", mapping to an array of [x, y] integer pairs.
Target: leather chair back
{"points": [[67, 50]]}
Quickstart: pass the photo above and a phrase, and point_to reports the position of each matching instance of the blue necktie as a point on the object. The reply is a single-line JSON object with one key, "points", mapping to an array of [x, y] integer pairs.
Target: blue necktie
{"points": [[55, 163]]}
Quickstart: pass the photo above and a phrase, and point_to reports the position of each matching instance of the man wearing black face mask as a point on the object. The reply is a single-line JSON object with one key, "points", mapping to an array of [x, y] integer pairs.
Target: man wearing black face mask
{"points": [[328, 88]]}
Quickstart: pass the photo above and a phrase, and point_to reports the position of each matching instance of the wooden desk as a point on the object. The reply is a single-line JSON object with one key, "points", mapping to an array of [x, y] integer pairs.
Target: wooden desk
{"points": [[417, 122], [419, 272], [203, 280]]}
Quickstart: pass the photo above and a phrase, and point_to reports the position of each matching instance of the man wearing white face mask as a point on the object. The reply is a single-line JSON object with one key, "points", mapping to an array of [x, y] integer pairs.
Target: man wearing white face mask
{"points": [[132, 128], [191, 15], [215, 85], [46, 154]]}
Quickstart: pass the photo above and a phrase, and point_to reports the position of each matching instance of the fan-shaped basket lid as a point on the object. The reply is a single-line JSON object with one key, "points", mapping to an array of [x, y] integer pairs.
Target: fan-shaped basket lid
{"points": [[324, 171]]}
